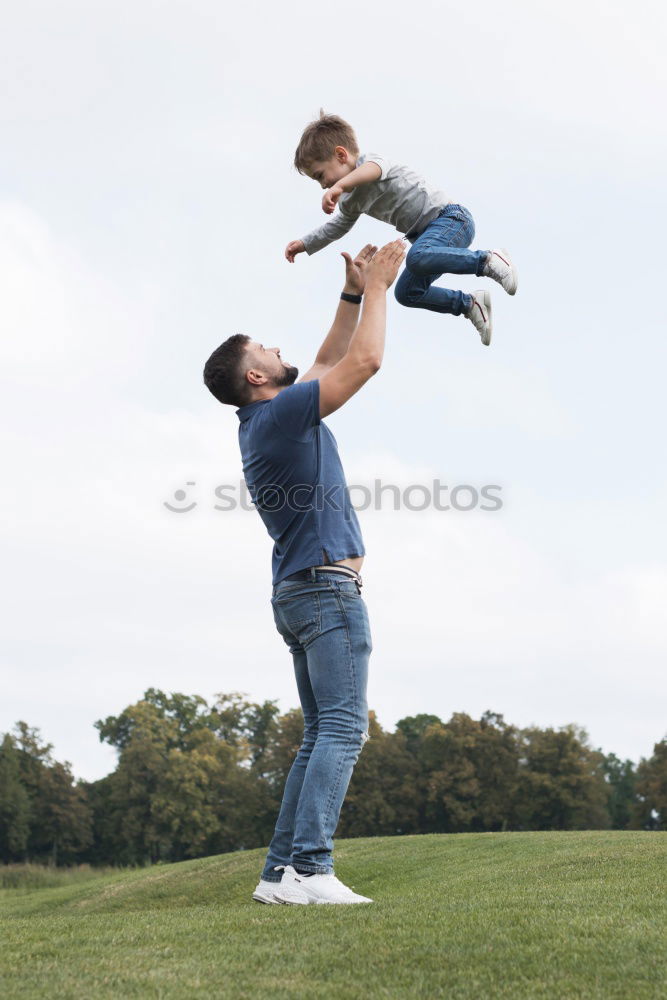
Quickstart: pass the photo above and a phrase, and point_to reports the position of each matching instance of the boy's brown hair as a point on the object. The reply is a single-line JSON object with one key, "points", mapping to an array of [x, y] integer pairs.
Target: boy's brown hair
{"points": [[320, 138]]}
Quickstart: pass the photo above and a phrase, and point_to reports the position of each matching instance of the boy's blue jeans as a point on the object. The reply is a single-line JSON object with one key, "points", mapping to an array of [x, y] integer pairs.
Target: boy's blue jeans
{"points": [[440, 250], [324, 622]]}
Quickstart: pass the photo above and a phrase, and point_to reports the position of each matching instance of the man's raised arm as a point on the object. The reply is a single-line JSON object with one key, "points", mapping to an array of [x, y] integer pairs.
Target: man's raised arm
{"points": [[366, 346], [336, 342]]}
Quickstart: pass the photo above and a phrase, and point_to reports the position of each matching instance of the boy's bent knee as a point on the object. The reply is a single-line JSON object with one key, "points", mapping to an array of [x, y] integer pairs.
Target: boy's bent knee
{"points": [[399, 294], [407, 295], [415, 260]]}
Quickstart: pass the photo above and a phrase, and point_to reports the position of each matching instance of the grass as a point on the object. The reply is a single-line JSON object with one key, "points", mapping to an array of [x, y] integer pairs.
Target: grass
{"points": [[465, 917], [31, 876]]}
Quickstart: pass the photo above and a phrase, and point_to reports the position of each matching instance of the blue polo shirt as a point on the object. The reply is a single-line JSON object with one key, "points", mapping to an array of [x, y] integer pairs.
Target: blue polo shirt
{"points": [[296, 481]]}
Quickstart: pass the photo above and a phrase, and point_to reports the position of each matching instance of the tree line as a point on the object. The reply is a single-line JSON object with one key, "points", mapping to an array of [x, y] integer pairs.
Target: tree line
{"points": [[194, 779]]}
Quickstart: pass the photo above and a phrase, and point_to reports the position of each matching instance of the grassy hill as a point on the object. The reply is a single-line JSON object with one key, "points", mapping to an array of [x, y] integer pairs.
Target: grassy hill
{"points": [[474, 916]]}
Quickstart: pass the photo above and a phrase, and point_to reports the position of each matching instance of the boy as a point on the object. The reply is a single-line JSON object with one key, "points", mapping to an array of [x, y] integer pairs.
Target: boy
{"points": [[439, 230]]}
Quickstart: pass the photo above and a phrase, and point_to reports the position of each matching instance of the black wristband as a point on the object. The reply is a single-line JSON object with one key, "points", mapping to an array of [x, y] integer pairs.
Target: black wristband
{"points": [[346, 297]]}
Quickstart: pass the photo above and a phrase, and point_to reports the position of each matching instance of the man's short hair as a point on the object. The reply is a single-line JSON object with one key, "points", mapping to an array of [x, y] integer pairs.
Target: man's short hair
{"points": [[224, 372], [320, 138]]}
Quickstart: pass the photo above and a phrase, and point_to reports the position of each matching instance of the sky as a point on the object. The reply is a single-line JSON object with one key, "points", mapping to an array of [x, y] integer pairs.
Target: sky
{"points": [[146, 197]]}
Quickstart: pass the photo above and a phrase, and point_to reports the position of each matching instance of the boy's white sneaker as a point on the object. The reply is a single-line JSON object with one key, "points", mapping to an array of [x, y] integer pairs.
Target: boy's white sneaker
{"points": [[299, 891], [266, 892], [480, 315], [498, 265]]}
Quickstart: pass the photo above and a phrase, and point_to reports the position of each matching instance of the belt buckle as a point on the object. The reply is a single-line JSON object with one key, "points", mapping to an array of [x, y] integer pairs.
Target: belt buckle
{"points": [[347, 571]]}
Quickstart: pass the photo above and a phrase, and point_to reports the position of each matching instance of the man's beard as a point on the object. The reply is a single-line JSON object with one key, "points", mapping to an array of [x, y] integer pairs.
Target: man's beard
{"points": [[288, 376]]}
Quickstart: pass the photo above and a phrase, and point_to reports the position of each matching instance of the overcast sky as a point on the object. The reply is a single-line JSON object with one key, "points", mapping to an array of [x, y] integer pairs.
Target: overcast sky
{"points": [[146, 198]]}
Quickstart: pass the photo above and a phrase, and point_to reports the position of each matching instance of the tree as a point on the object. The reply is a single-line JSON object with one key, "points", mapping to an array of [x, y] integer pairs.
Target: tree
{"points": [[60, 816], [187, 799], [469, 771], [189, 778], [651, 808], [286, 738], [245, 725], [105, 847], [185, 713], [382, 798], [621, 780], [561, 782], [65, 817], [14, 805], [413, 728], [145, 737]]}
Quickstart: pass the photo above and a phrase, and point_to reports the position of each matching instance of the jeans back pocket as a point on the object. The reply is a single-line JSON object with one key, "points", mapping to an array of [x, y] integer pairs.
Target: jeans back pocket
{"points": [[298, 616]]}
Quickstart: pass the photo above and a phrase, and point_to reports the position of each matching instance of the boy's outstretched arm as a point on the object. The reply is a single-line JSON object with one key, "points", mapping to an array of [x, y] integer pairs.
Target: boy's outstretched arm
{"points": [[367, 172], [293, 248], [336, 342], [322, 237]]}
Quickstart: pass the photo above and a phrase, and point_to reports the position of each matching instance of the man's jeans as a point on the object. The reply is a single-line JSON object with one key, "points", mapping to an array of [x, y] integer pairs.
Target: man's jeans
{"points": [[436, 251], [324, 622]]}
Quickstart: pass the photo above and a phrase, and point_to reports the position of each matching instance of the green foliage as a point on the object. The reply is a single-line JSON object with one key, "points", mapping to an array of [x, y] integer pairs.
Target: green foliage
{"points": [[651, 807], [44, 813], [413, 728], [383, 795], [183, 713], [194, 779], [469, 773], [562, 782], [164, 796], [14, 804], [280, 752], [245, 725], [621, 778]]}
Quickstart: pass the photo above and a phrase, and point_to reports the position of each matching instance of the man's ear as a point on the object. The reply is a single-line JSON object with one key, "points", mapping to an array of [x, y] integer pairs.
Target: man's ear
{"points": [[254, 377]]}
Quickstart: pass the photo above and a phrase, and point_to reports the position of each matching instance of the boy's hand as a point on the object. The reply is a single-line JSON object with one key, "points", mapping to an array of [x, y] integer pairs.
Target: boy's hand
{"points": [[383, 268], [293, 248], [330, 198], [355, 270]]}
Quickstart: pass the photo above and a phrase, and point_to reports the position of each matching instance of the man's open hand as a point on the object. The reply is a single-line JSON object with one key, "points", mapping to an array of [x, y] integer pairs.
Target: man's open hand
{"points": [[293, 248], [383, 268], [330, 198], [355, 270]]}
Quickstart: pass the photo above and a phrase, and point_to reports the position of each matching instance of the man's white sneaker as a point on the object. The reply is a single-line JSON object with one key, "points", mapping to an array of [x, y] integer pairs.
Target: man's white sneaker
{"points": [[266, 892], [480, 315], [299, 891], [498, 265]]}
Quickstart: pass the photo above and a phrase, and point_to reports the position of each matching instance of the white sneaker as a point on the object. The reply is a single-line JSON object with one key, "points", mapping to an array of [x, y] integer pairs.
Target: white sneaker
{"points": [[299, 891], [498, 265], [266, 892], [480, 315]]}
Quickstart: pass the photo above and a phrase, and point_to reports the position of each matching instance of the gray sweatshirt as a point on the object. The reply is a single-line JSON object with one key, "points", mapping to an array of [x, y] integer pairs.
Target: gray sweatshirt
{"points": [[399, 196]]}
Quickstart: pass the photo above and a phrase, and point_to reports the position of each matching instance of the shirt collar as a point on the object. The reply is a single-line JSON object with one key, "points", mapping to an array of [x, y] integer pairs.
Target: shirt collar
{"points": [[244, 412]]}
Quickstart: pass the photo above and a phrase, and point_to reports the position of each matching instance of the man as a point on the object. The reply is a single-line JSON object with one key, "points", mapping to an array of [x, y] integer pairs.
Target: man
{"points": [[296, 481]]}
